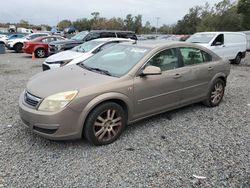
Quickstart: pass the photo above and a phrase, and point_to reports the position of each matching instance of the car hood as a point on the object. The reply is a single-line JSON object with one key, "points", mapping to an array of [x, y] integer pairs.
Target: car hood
{"points": [[63, 79], [64, 42], [62, 56]]}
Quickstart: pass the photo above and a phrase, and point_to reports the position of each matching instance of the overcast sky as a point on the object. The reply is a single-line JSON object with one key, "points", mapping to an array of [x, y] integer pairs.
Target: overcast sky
{"points": [[50, 11]]}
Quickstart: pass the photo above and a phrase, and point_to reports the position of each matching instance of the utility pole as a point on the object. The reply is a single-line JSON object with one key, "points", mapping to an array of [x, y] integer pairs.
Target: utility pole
{"points": [[157, 22]]}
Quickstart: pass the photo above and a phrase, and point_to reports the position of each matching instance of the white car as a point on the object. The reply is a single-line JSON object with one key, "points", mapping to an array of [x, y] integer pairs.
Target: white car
{"points": [[3, 39], [80, 53], [228, 45], [17, 44]]}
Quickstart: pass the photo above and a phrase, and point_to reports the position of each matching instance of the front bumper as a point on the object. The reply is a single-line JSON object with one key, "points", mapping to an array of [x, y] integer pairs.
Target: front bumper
{"points": [[9, 46], [47, 66], [63, 125]]}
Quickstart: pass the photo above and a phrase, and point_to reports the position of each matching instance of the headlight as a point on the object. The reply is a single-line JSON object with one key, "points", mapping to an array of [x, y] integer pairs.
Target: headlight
{"points": [[57, 102], [59, 47], [65, 62]]}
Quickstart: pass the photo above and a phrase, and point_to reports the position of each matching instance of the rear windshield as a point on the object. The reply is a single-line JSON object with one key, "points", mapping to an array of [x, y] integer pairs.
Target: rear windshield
{"points": [[87, 46]]}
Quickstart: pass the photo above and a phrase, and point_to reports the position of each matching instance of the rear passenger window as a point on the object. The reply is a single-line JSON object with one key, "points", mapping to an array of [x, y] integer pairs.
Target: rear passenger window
{"points": [[126, 35], [165, 60], [92, 36], [206, 57], [192, 56], [107, 34]]}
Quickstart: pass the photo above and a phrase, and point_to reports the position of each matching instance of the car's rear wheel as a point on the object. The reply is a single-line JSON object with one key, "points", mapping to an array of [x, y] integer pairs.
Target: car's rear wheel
{"points": [[105, 124], [237, 60], [18, 47], [216, 93], [40, 53]]}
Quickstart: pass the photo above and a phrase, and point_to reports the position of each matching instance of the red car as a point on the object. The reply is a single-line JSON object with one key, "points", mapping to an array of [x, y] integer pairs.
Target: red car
{"points": [[39, 46]]}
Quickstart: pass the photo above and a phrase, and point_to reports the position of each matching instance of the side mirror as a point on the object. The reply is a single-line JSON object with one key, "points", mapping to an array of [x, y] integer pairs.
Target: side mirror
{"points": [[151, 70]]}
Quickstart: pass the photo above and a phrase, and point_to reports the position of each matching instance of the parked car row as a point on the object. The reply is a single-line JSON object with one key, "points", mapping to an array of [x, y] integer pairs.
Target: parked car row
{"points": [[109, 83], [80, 53], [17, 43]]}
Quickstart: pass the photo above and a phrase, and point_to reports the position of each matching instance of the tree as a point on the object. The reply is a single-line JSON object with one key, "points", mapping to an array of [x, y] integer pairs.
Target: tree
{"points": [[64, 24], [23, 23], [129, 22], [138, 24], [82, 24], [243, 8], [147, 28]]}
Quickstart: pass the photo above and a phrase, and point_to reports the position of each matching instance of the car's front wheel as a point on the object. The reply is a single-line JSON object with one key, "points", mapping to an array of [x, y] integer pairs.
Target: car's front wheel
{"points": [[18, 47], [105, 123], [216, 93]]}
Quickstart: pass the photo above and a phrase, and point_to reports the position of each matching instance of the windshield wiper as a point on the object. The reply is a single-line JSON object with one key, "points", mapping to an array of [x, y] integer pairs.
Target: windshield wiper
{"points": [[95, 69]]}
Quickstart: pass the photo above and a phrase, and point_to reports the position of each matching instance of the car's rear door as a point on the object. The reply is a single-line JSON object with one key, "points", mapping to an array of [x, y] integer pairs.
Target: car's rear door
{"points": [[195, 75]]}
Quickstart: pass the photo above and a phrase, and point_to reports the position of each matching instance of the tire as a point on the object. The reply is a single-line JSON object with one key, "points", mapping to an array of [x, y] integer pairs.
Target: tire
{"points": [[18, 47], [40, 53], [105, 124], [237, 59], [216, 93]]}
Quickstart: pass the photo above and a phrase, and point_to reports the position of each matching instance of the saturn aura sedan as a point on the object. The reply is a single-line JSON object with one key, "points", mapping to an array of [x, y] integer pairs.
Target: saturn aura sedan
{"points": [[122, 84]]}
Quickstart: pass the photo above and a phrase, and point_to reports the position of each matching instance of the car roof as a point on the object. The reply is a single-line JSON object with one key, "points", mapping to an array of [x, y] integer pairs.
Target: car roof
{"points": [[117, 31], [112, 39], [161, 44]]}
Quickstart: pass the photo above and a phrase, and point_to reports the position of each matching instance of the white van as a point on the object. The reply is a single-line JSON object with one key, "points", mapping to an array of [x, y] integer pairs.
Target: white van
{"points": [[228, 45]]}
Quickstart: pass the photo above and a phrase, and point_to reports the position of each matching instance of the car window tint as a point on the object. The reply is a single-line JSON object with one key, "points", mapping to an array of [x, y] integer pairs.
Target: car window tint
{"points": [[92, 36], [165, 60], [219, 40], [126, 35], [206, 57], [107, 34], [191, 56]]}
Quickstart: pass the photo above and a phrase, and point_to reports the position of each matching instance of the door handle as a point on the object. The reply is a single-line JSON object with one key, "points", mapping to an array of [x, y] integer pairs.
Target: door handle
{"points": [[210, 68], [177, 76]]}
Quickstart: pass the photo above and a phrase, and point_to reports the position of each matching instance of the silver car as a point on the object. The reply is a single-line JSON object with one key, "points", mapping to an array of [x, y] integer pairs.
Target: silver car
{"points": [[120, 85]]}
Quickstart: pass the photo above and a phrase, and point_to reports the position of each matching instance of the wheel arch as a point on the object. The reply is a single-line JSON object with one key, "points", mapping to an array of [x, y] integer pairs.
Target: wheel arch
{"points": [[221, 76], [118, 98]]}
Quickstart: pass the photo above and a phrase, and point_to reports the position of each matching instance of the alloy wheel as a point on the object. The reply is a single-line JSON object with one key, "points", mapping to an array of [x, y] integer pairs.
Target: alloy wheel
{"points": [[107, 125], [217, 93]]}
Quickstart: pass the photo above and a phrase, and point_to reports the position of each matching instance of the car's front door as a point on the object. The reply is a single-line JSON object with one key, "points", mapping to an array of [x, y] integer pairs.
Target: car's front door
{"points": [[218, 46], [154, 93]]}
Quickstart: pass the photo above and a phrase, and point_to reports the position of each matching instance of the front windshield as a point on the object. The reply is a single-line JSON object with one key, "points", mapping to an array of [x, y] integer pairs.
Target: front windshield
{"points": [[87, 46], [116, 60], [201, 38], [80, 36]]}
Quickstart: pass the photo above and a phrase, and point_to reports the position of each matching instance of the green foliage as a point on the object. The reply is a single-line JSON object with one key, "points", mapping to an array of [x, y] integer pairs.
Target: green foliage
{"points": [[23, 23], [223, 16], [243, 8], [64, 24]]}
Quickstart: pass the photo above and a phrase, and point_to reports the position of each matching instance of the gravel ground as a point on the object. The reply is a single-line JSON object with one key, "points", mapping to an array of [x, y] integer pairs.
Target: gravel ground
{"points": [[164, 151]]}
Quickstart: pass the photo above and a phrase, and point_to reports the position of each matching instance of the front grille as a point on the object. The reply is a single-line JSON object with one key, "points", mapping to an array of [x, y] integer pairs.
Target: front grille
{"points": [[45, 67], [31, 99]]}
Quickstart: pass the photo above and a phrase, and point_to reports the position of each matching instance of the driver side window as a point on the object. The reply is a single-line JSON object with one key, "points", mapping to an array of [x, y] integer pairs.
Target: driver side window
{"points": [[165, 60], [219, 40]]}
